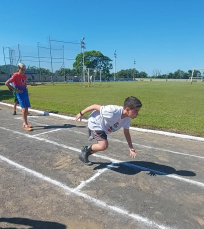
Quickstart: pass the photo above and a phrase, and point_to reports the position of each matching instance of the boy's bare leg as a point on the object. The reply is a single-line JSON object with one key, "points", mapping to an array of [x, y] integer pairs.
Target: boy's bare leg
{"points": [[14, 108], [24, 115], [99, 146], [86, 151]]}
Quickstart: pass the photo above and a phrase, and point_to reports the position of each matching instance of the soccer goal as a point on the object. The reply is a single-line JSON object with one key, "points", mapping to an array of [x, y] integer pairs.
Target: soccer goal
{"points": [[91, 75], [197, 75]]}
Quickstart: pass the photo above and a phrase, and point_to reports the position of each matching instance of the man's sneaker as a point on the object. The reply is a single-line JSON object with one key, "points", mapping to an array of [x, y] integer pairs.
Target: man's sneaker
{"points": [[28, 128], [24, 126], [14, 113], [85, 152]]}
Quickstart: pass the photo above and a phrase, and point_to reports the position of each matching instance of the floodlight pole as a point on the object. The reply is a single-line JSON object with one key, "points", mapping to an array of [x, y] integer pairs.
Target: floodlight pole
{"points": [[4, 55], [134, 71], [65, 78], [10, 59], [82, 48], [51, 60], [19, 53], [39, 62], [115, 55]]}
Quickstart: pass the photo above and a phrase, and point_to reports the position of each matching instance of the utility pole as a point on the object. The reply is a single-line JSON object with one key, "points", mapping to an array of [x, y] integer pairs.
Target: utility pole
{"points": [[51, 61], [82, 48], [40, 78], [115, 56], [134, 71]]}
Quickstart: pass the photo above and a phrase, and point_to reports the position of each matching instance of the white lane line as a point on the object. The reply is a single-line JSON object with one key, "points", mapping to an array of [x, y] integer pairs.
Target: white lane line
{"points": [[184, 136], [165, 133], [144, 146], [97, 202], [199, 184], [161, 149], [42, 139], [83, 183], [47, 132]]}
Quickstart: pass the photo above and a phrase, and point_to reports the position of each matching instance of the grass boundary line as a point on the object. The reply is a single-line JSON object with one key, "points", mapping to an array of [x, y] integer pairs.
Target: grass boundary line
{"points": [[164, 133]]}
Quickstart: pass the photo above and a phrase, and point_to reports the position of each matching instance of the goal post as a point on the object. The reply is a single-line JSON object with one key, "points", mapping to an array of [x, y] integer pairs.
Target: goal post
{"points": [[92, 75], [198, 74]]}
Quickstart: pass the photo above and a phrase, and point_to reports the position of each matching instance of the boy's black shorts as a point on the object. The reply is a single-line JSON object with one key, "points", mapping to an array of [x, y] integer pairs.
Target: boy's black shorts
{"points": [[98, 135]]}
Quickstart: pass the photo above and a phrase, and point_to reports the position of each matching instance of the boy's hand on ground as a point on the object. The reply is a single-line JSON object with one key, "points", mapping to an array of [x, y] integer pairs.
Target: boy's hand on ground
{"points": [[133, 153]]}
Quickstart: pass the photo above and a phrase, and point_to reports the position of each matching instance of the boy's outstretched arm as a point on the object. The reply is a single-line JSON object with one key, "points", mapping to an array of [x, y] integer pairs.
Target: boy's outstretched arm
{"points": [[86, 110], [129, 141]]}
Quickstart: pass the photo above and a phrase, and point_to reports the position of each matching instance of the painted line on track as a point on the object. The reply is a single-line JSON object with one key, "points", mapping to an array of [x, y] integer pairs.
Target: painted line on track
{"points": [[192, 182], [83, 183], [196, 183], [124, 142], [161, 149], [165, 133], [97, 202], [47, 132]]}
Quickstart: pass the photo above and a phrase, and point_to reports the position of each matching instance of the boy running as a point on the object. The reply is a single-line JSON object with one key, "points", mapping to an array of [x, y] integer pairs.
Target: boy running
{"points": [[105, 120]]}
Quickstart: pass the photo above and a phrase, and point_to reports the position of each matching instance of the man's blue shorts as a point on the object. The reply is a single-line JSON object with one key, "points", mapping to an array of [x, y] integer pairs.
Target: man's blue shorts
{"points": [[23, 101]]}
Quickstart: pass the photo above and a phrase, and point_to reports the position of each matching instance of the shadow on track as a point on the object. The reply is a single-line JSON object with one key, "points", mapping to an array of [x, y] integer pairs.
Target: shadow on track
{"points": [[65, 126], [134, 167], [35, 224]]}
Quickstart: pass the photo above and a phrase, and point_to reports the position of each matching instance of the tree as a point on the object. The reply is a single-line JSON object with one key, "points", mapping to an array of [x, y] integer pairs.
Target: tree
{"points": [[93, 59], [156, 73], [178, 74], [66, 71], [143, 75], [41, 71], [127, 73]]}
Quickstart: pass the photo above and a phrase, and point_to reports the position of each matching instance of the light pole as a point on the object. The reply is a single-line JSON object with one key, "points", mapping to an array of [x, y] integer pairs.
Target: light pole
{"points": [[134, 71], [82, 48], [115, 55]]}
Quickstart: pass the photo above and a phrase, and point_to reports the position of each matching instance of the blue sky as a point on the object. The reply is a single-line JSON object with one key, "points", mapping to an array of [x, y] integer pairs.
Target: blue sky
{"points": [[164, 35]]}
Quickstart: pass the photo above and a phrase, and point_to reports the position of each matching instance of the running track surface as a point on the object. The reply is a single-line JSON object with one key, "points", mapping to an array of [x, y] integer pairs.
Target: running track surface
{"points": [[44, 185]]}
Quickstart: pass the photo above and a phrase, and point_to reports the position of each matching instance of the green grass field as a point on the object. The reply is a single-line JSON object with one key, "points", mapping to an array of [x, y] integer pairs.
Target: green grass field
{"points": [[170, 106]]}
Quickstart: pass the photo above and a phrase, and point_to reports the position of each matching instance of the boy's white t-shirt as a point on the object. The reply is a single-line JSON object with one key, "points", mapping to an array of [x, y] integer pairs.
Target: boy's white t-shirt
{"points": [[108, 119]]}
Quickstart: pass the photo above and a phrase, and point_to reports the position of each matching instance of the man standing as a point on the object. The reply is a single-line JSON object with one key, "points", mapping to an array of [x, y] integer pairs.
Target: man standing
{"points": [[19, 80]]}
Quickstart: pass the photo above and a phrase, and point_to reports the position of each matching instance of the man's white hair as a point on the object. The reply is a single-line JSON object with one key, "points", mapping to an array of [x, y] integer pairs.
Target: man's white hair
{"points": [[21, 65]]}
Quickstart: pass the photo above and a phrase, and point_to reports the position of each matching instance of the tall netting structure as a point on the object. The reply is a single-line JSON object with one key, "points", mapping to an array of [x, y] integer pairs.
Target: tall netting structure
{"points": [[10, 59], [62, 55], [47, 61]]}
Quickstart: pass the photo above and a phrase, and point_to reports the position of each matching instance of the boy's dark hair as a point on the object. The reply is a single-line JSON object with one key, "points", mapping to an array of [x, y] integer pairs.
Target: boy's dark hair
{"points": [[132, 102]]}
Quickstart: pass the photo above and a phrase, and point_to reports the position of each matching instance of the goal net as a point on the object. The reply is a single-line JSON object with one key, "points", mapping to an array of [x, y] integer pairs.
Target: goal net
{"points": [[91, 75], [197, 75]]}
